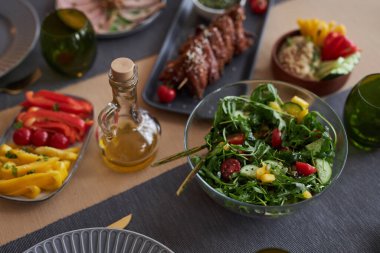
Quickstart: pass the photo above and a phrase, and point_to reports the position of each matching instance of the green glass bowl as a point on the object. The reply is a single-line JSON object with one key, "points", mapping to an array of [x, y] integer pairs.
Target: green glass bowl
{"points": [[200, 122], [68, 42]]}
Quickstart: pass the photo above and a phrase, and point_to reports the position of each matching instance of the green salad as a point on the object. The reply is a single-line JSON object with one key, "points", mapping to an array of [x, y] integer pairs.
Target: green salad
{"points": [[264, 151]]}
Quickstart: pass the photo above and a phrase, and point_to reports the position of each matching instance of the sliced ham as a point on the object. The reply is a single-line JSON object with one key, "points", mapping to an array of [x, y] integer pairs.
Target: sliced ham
{"points": [[140, 14]]}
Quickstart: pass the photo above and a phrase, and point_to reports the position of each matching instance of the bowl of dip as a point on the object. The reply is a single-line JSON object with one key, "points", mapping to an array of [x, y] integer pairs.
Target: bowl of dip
{"points": [[294, 60], [209, 9]]}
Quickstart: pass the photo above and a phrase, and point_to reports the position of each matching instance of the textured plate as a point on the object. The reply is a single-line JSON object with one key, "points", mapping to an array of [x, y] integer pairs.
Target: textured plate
{"points": [[184, 25], [44, 195], [99, 240], [19, 30], [118, 34]]}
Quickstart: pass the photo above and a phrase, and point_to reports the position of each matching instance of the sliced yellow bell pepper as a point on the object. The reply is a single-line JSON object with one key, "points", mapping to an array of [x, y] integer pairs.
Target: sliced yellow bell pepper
{"points": [[62, 154], [18, 156], [8, 171], [31, 192], [50, 180]]}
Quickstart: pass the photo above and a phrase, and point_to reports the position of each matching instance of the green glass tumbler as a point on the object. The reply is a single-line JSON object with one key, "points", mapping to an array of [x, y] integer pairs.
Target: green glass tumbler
{"points": [[362, 113], [68, 42]]}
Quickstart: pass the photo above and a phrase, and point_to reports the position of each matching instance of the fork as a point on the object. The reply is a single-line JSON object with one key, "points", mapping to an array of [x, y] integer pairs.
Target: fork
{"points": [[122, 223]]}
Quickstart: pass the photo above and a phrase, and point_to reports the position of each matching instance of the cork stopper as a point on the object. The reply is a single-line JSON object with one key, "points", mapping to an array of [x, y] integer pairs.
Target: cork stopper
{"points": [[122, 69]]}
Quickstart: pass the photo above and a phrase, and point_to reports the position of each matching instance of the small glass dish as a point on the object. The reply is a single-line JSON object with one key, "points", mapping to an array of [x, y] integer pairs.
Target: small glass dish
{"points": [[208, 12], [321, 88], [200, 121]]}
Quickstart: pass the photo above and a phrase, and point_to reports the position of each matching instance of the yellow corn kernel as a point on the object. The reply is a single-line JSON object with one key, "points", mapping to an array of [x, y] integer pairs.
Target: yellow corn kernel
{"points": [[275, 106], [226, 147], [301, 102], [261, 171], [267, 178], [307, 195]]}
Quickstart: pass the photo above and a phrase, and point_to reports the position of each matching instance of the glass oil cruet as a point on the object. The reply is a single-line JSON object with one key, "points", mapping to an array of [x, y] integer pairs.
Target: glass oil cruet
{"points": [[128, 135]]}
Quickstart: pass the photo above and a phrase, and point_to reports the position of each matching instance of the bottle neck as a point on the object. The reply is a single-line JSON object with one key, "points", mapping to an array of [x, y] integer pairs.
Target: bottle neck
{"points": [[125, 96]]}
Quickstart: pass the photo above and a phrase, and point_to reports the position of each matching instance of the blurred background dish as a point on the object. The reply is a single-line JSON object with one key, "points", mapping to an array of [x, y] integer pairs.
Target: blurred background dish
{"points": [[199, 123], [318, 56], [112, 19], [319, 87], [18, 33], [209, 9]]}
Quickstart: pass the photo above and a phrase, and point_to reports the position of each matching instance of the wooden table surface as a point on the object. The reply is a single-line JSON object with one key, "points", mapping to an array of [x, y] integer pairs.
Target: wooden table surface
{"points": [[94, 183]]}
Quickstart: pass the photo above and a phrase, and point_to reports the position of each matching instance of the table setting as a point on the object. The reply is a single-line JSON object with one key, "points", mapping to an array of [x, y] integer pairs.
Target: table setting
{"points": [[189, 126]]}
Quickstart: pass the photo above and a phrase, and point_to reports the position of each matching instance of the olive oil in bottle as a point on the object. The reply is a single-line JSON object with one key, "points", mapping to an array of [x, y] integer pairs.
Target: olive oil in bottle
{"points": [[129, 135]]}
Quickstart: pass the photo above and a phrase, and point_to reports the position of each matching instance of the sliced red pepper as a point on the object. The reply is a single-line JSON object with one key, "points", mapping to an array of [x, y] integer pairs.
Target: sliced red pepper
{"points": [[36, 115], [337, 45], [55, 101]]}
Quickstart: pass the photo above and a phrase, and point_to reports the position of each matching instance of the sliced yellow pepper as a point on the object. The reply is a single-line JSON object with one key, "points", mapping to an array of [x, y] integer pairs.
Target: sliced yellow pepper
{"points": [[31, 192], [62, 154], [8, 171], [51, 180], [18, 156]]}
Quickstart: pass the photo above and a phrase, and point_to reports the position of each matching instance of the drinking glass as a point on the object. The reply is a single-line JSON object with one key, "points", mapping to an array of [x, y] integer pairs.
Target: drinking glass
{"points": [[68, 42], [362, 113]]}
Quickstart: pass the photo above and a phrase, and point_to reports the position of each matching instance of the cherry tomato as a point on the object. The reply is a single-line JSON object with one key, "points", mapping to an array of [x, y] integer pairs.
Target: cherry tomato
{"points": [[228, 167], [58, 140], [22, 136], [305, 169], [166, 94], [276, 138], [259, 6], [236, 139], [39, 138]]}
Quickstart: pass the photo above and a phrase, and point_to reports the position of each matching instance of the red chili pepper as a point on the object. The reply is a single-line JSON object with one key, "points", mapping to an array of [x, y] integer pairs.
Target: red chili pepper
{"points": [[337, 45], [276, 138], [35, 114], [305, 169], [236, 139]]}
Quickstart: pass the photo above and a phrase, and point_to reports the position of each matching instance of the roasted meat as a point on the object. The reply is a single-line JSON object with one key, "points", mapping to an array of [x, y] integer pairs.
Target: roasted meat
{"points": [[203, 56]]}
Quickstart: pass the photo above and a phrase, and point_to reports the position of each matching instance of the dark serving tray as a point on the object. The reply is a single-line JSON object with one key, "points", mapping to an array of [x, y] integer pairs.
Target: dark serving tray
{"points": [[183, 26], [44, 195]]}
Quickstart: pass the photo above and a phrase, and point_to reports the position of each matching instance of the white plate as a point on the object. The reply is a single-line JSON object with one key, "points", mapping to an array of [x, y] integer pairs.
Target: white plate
{"points": [[19, 31], [99, 240]]}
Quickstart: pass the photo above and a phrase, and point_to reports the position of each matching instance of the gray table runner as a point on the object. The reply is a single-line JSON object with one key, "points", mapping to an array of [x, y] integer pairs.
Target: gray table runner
{"points": [[136, 46], [344, 219]]}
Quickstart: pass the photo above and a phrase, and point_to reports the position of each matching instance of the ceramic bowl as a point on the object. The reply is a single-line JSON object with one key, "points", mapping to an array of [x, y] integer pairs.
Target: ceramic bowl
{"points": [[321, 88]]}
